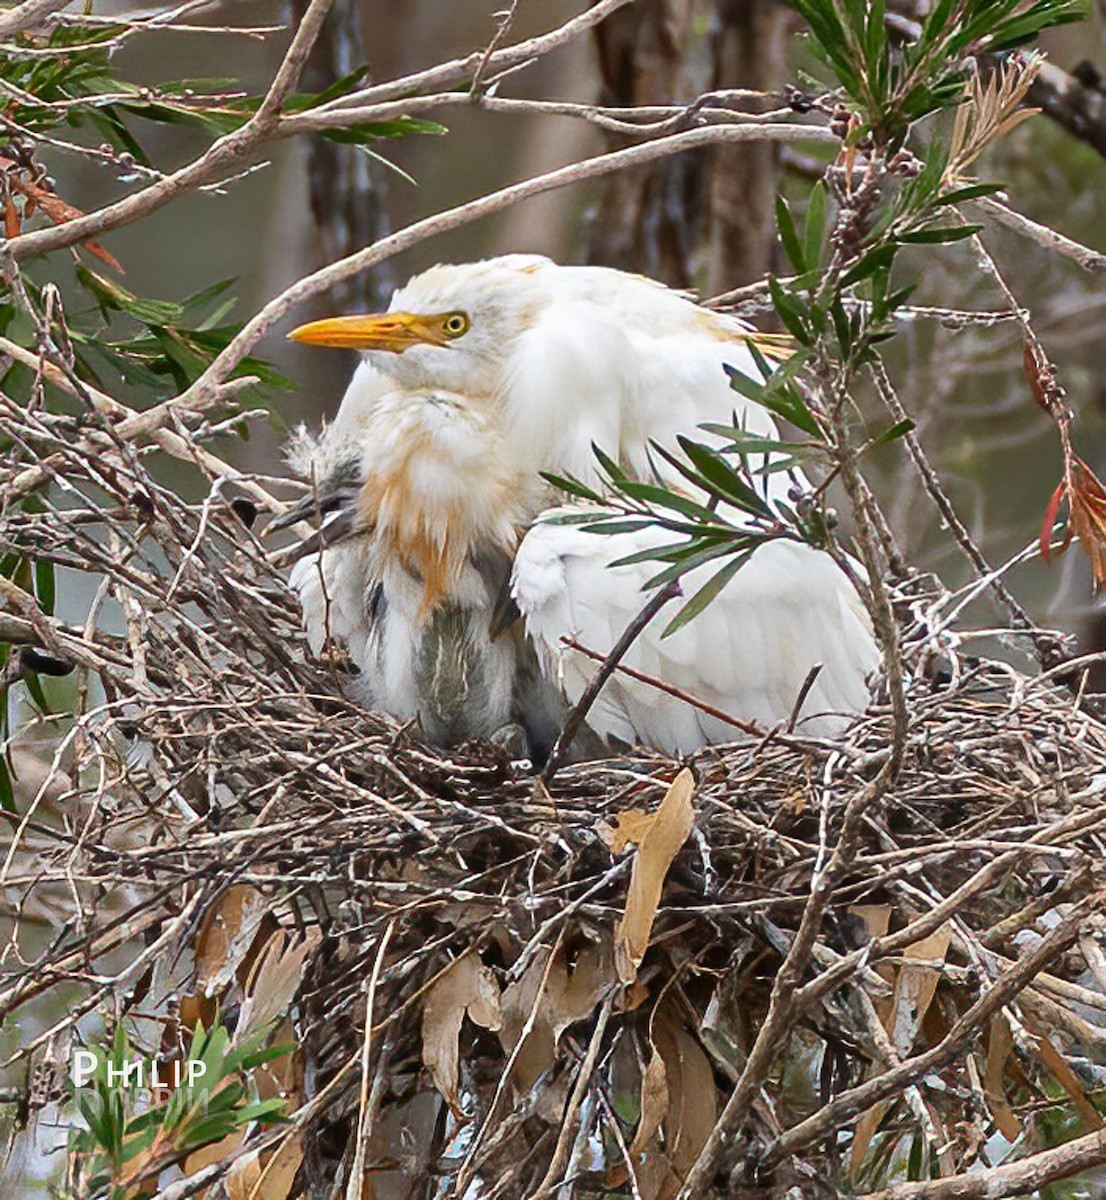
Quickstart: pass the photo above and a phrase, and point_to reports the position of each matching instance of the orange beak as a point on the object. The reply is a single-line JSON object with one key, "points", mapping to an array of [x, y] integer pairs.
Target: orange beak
{"points": [[394, 331]]}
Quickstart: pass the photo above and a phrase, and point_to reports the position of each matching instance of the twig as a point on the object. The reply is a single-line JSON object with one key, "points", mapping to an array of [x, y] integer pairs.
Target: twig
{"points": [[1088, 259], [365, 1112], [464, 214], [582, 707], [1021, 1178], [27, 15]]}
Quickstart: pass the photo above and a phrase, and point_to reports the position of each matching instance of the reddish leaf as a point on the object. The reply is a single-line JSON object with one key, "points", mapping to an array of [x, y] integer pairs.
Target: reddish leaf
{"points": [[1050, 520], [11, 218], [1087, 509], [59, 211]]}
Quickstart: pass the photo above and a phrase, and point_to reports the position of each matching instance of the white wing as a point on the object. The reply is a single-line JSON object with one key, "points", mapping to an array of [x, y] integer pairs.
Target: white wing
{"points": [[619, 361], [747, 654]]}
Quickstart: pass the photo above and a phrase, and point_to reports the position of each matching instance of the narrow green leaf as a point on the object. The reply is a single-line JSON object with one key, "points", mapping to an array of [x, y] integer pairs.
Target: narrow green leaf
{"points": [[789, 235], [972, 191], [898, 430], [708, 592], [815, 225], [950, 233]]}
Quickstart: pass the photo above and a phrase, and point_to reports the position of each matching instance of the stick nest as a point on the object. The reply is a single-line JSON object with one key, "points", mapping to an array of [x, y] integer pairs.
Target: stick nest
{"points": [[445, 940]]}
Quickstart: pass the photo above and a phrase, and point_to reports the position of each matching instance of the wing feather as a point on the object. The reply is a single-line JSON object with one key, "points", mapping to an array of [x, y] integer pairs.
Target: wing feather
{"points": [[748, 654]]}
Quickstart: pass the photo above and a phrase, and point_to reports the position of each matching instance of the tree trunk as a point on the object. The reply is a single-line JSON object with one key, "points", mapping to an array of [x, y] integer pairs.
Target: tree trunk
{"points": [[707, 217]]}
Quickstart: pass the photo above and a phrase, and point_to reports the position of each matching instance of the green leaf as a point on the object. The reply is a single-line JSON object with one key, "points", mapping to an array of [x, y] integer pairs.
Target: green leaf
{"points": [[868, 263], [898, 430], [790, 310], [722, 477], [950, 233], [44, 586], [815, 225], [972, 191], [706, 593], [789, 236]]}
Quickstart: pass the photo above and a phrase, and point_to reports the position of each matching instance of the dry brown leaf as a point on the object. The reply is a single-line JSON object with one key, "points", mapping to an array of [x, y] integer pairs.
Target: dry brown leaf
{"points": [[214, 1152], [692, 1109], [654, 1102], [631, 825], [567, 997], [1060, 1070], [59, 211], [273, 981], [679, 1107], [226, 934], [999, 1045], [877, 920], [1087, 515], [465, 987], [275, 1178], [915, 986], [653, 1109], [659, 839]]}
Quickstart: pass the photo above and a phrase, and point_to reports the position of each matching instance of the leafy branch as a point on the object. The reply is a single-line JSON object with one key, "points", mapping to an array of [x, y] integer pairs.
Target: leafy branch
{"points": [[130, 1135]]}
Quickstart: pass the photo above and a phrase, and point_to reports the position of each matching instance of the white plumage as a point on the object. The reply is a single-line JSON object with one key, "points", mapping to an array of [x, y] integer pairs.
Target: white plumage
{"points": [[748, 654], [539, 362]]}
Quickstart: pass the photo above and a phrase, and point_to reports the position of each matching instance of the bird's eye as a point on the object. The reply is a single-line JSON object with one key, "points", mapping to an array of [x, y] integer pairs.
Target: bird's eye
{"points": [[455, 324]]}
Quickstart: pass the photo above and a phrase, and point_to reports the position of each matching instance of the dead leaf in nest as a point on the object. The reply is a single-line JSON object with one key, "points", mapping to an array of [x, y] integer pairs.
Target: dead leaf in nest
{"points": [[631, 825], [999, 1045], [915, 986], [566, 997], [214, 1152], [679, 1101], [659, 837], [273, 981], [654, 1103], [250, 1177], [877, 920], [59, 211], [275, 1179], [227, 933], [465, 987]]}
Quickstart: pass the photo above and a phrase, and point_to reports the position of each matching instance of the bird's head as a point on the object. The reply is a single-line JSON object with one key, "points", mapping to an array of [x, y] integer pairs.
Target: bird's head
{"points": [[451, 327]]}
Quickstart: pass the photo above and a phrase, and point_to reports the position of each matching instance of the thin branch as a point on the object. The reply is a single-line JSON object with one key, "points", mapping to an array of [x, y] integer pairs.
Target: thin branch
{"points": [[590, 694], [27, 15], [446, 74], [1021, 1178], [1088, 259]]}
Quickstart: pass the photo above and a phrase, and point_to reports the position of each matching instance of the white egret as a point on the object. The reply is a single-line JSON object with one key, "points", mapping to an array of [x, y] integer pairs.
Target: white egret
{"points": [[541, 362]]}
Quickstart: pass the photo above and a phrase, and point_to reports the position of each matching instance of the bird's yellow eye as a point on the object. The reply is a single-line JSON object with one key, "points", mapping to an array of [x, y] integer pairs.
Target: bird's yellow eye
{"points": [[455, 324]]}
